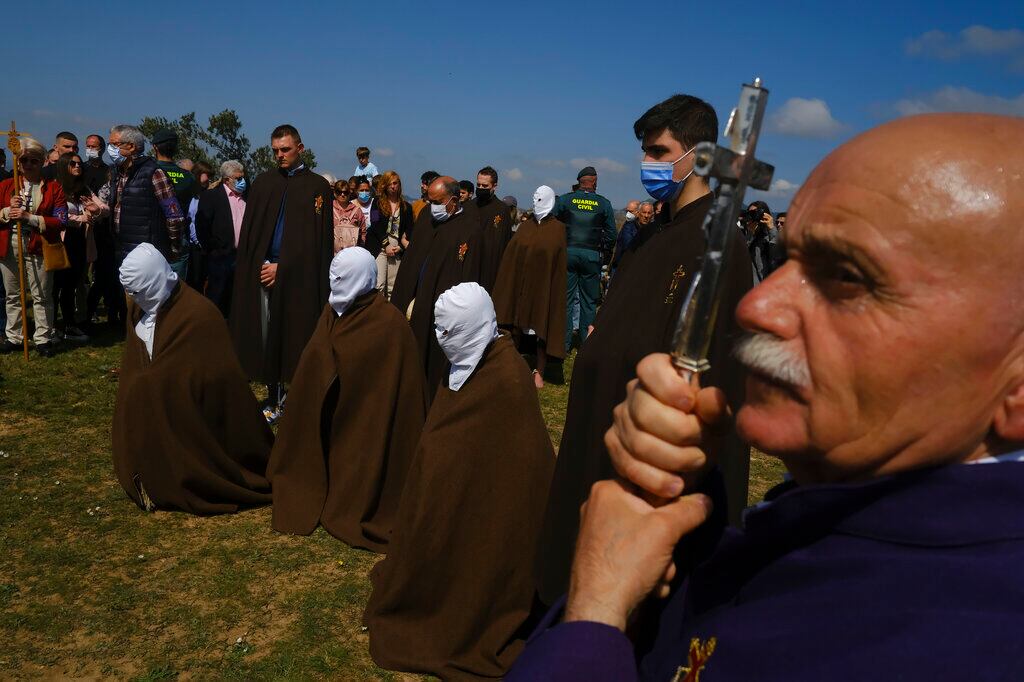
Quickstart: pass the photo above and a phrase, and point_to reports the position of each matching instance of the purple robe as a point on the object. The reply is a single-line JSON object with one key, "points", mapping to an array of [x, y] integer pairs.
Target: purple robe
{"points": [[908, 577]]}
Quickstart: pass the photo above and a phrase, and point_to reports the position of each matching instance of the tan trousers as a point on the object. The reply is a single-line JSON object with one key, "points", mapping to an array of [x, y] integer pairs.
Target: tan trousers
{"points": [[387, 270], [40, 290]]}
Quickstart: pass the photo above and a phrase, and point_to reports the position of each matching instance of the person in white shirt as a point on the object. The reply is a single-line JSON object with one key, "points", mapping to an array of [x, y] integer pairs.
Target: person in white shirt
{"points": [[364, 167]]}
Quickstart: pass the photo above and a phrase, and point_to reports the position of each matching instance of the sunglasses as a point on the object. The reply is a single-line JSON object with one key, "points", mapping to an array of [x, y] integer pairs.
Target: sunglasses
{"points": [[74, 164]]}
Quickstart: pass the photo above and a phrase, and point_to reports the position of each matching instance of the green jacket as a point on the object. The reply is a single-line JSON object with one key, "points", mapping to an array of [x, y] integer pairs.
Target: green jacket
{"points": [[589, 220]]}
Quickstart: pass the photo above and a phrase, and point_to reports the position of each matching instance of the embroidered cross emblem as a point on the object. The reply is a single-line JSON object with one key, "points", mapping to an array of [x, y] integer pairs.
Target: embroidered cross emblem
{"points": [[698, 658], [318, 204], [463, 248], [676, 276]]}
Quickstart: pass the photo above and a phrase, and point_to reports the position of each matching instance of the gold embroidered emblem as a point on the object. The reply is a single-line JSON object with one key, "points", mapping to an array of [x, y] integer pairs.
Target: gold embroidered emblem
{"points": [[698, 658], [318, 204], [676, 276], [463, 248], [497, 220]]}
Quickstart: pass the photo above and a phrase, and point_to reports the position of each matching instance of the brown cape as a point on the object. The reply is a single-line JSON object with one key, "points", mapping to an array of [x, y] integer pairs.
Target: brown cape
{"points": [[452, 256], [638, 318], [186, 425], [496, 232], [355, 411], [452, 595], [301, 289], [530, 291], [415, 256]]}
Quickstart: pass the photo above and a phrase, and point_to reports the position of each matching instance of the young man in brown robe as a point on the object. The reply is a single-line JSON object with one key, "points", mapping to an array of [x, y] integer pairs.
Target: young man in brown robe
{"points": [[445, 251], [454, 594], [495, 226], [639, 317], [187, 431], [284, 251], [529, 296], [355, 411]]}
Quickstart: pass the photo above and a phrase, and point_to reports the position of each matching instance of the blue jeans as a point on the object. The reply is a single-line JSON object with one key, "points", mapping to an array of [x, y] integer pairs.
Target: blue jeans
{"points": [[583, 282]]}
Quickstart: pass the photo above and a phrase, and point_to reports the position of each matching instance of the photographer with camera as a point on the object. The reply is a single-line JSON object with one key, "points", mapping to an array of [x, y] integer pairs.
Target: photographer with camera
{"points": [[758, 228]]}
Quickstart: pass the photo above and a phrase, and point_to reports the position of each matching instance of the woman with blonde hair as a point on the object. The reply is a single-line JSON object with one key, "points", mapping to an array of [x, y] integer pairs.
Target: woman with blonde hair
{"points": [[40, 211], [388, 236]]}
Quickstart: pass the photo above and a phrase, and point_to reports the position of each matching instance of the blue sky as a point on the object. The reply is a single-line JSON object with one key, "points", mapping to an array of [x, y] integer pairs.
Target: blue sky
{"points": [[535, 89]]}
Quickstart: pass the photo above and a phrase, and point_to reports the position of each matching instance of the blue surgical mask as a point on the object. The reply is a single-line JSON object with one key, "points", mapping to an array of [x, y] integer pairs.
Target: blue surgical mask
{"points": [[656, 177], [114, 152], [439, 212], [241, 185], [364, 197]]}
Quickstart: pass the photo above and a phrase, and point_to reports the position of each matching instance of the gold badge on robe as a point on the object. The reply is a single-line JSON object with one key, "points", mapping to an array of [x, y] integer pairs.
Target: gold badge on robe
{"points": [[318, 204], [697, 659], [674, 284]]}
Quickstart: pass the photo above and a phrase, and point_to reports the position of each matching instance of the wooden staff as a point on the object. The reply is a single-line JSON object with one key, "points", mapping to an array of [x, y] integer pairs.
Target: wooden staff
{"points": [[14, 144]]}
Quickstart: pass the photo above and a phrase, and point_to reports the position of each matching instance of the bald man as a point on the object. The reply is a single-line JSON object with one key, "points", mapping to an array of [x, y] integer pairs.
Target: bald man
{"points": [[446, 250], [889, 382]]}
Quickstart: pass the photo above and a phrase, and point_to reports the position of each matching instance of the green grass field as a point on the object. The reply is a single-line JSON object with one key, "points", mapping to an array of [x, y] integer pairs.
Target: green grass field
{"points": [[93, 588]]}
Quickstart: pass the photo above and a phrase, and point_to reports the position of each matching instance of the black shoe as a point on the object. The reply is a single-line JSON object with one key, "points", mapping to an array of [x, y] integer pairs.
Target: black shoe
{"points": [[8, 347], [46, 350]]}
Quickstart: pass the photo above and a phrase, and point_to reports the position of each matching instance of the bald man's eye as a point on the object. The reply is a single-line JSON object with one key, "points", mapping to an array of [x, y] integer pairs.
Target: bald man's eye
{"points": [[842, 280]]}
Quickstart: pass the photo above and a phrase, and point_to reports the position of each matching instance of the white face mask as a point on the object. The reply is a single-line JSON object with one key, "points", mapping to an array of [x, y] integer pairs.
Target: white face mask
{"points": [[630, 216], [543, 202], [353, 273], [440, 211], [149, 280], [465, 325], [91, 153]]}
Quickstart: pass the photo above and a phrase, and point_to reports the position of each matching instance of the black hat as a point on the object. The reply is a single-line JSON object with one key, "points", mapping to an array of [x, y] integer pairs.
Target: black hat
{"points": [[589, 170], [164, 135]]}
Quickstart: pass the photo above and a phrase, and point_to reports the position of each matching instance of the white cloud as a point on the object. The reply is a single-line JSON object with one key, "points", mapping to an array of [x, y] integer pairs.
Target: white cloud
{"points": [[551, 163], [781, 190], [600, 164], [805, 118], [972, 41], [514, 174], [960, 99], [384, 151]]}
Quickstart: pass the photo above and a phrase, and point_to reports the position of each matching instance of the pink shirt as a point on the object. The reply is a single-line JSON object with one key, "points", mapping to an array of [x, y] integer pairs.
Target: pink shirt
{"points": [[237, 204]]}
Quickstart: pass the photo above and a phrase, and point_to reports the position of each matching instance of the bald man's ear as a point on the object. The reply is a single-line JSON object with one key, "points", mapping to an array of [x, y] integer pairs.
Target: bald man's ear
{"points": [[1009, 418]]}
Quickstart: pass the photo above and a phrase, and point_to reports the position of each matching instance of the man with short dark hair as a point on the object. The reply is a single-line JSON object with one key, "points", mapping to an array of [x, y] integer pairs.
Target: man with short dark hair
{"points": [[418, 205], [465, 191], [165, 146], [284, 253], [364, 167], [638, 318], [66, 143], [590, 235], [780, 220], [495, 225]]}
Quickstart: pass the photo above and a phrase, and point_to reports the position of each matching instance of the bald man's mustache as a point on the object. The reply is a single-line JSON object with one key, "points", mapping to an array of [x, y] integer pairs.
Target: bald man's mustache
{"points": [[769, 355]]}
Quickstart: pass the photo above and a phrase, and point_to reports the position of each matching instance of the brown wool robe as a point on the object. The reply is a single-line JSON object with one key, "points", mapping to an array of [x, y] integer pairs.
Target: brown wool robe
{"points": [[496, 232], [301, 289], [530, 291], [355, 411], [186, 425], [638, 318], [445, 254], [453, 594]]}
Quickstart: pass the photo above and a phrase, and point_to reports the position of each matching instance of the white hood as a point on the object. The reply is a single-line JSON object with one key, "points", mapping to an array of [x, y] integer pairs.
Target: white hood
{"points": [[353, 273], [543, 202], [465, 325], [149, 280]]}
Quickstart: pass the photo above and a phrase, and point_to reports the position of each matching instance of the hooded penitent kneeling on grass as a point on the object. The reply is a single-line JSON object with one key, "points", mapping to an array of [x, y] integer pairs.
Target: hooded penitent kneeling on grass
{"points": [[356, 409], [455, 592], [188, 433]]}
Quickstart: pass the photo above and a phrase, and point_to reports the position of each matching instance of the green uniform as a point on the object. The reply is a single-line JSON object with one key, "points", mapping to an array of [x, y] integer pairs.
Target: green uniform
{"points": [[589, 232], [184, 190]]}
